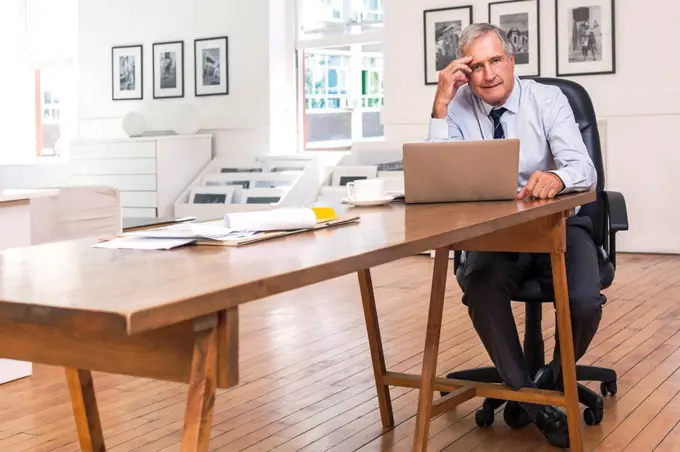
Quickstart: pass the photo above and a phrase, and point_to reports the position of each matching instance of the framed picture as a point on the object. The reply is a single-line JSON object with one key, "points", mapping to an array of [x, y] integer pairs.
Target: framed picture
{"points": [[344, 174], [127, 73], [168, 69], [519, 19], [212, 195], [262, 196], [241, 169], [585, 37], [218, 179], [442, 28], [211, 62], [277, 166], [274, 180]]}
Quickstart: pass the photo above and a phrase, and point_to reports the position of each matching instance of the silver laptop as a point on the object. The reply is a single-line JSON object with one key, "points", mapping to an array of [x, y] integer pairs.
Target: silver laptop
{"points": [[452, 171]]}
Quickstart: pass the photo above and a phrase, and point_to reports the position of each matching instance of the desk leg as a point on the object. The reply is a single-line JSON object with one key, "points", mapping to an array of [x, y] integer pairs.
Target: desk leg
{"points": [[434, 325], [202, 384], [375, 343], [85, 410], [567, 350]]}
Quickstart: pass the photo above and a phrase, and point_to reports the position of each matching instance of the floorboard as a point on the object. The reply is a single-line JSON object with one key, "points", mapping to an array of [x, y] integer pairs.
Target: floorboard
{"points": [[307, 385]]}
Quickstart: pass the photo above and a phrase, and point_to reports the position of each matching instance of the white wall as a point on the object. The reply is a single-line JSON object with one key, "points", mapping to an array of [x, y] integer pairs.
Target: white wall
{"points": [[17, 85], [640, 105], [282, 80], [45, 172], [240, 121]]}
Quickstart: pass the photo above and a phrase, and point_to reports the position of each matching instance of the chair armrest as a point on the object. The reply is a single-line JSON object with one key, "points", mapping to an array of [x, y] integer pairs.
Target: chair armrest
{"points": [[616, 211], [617, 216]]}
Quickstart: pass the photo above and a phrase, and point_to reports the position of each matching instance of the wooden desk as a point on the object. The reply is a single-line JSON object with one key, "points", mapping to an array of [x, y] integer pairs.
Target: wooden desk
{"points": [[173, 315], [135, 224]]}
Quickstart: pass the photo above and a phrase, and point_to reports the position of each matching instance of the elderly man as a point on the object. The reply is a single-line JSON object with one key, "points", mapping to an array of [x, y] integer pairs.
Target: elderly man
{"points": [[479, 97]]}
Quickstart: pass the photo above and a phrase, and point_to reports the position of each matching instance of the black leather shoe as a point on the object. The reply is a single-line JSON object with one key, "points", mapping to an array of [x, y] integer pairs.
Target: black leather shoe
{"points": [[553, 424], [544, 379], [515, 416]]}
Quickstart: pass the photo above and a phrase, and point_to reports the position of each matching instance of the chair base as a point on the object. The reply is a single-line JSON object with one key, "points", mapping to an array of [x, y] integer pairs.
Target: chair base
{"points": [[593, 402]]}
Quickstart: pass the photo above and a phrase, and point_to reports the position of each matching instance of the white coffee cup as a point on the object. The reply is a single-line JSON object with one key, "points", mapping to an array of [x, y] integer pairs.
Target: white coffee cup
{"points": [[366, 189]]}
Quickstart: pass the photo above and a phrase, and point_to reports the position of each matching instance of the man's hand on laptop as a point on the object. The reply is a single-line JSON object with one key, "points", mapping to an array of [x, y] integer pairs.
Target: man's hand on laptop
{"points": [[451, 78], [542, 185]]}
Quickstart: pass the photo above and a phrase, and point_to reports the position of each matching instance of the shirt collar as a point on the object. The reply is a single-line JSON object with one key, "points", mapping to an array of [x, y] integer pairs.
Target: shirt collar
{"points": [[512, 104]]}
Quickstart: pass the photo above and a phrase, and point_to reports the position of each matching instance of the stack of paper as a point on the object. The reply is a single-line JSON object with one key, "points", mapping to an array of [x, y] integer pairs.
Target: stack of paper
{"points": [[173, 236], [140, 243], [213, 230], [235, 226]]}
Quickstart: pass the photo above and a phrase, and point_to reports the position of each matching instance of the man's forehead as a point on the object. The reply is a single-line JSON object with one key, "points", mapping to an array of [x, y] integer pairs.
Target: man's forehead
{"points": [[481, 59], [484, 47]]}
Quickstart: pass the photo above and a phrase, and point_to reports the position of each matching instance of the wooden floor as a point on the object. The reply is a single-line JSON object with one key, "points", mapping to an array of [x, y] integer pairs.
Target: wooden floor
{"points": [[307, 383]]}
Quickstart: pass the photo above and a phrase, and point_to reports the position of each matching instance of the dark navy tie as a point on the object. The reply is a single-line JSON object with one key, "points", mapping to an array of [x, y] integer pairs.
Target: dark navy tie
{"points": [[496, 114]]}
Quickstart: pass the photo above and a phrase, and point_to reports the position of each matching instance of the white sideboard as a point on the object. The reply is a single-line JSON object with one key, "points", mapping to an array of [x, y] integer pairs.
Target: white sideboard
{"points": [[149, 172]]}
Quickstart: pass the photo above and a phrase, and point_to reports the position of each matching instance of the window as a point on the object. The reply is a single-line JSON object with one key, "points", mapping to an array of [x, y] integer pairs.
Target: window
{"points": [[54, 116], [317, 18], [52, 47], [340, 71]]}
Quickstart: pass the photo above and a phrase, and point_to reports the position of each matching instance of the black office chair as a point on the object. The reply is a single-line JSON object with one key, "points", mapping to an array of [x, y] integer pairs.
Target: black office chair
{"points": [[609, 216]]}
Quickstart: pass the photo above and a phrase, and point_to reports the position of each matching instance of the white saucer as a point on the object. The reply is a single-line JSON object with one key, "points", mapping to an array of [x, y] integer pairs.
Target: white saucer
{"points": [[369, 202]]}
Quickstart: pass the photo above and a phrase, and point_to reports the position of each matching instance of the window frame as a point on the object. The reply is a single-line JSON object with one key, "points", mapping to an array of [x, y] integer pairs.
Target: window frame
{"points": [[41, 64], [39, 68], [351, 34]]}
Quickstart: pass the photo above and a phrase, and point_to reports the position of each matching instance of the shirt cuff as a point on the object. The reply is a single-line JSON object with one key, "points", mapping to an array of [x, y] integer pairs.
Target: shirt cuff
{"points": [[439, 129], [566, 180]]}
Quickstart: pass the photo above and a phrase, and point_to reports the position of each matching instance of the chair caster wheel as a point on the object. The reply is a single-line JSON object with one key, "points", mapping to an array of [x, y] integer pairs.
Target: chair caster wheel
{"points": [[593, 417], [608, 387], [484, 417]]}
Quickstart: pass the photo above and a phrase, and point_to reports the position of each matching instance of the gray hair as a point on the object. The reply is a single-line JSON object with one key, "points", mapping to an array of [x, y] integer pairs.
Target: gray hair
{"points": [[475, 31]]}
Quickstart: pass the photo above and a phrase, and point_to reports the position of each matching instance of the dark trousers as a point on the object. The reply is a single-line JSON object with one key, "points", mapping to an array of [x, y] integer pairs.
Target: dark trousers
{"points": [[490, 280]]}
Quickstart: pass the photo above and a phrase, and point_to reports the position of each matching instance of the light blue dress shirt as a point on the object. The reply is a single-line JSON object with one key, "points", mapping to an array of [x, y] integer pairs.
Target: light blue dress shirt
{"points": [[540, 116]]}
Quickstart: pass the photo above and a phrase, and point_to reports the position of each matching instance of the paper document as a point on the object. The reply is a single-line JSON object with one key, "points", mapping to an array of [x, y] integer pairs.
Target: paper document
{"points": [[271, 220], [235, 228], [213, 230], [140, 243]]}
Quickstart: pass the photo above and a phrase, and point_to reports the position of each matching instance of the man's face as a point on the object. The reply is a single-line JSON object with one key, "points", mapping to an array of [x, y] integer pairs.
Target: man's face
{"points": [[492, 78]]}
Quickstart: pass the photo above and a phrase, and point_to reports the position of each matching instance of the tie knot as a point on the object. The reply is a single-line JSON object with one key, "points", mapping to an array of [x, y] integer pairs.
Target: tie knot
{"points": [[496, 113]]}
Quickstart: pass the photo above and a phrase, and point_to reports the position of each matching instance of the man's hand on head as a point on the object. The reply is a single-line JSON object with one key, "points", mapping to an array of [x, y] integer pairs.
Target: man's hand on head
{"points": [[450, 79], [542, 185]]}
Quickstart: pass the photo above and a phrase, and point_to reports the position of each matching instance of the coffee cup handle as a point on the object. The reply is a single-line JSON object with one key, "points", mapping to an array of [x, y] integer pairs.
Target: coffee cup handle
{"points": [[350, 191]]}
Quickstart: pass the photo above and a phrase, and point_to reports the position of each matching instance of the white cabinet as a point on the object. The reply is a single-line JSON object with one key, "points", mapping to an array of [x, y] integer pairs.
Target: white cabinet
{"points": [[15, 231], [149, 172]]}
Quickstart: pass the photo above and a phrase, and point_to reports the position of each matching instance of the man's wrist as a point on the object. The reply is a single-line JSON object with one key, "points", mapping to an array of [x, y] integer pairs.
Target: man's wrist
{"points": [[563, 185], [439, 110]]}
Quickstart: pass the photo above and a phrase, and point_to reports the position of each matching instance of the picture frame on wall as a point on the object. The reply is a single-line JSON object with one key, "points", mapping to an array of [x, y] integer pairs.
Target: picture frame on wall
{"points": [[168, 69], [127, 72], [211, 63], [519, 19], [585, 37], [441, 31]]}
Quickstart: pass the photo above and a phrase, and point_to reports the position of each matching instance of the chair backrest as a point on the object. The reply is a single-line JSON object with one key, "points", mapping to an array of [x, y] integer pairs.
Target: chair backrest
{"points": [[584, 113]]}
